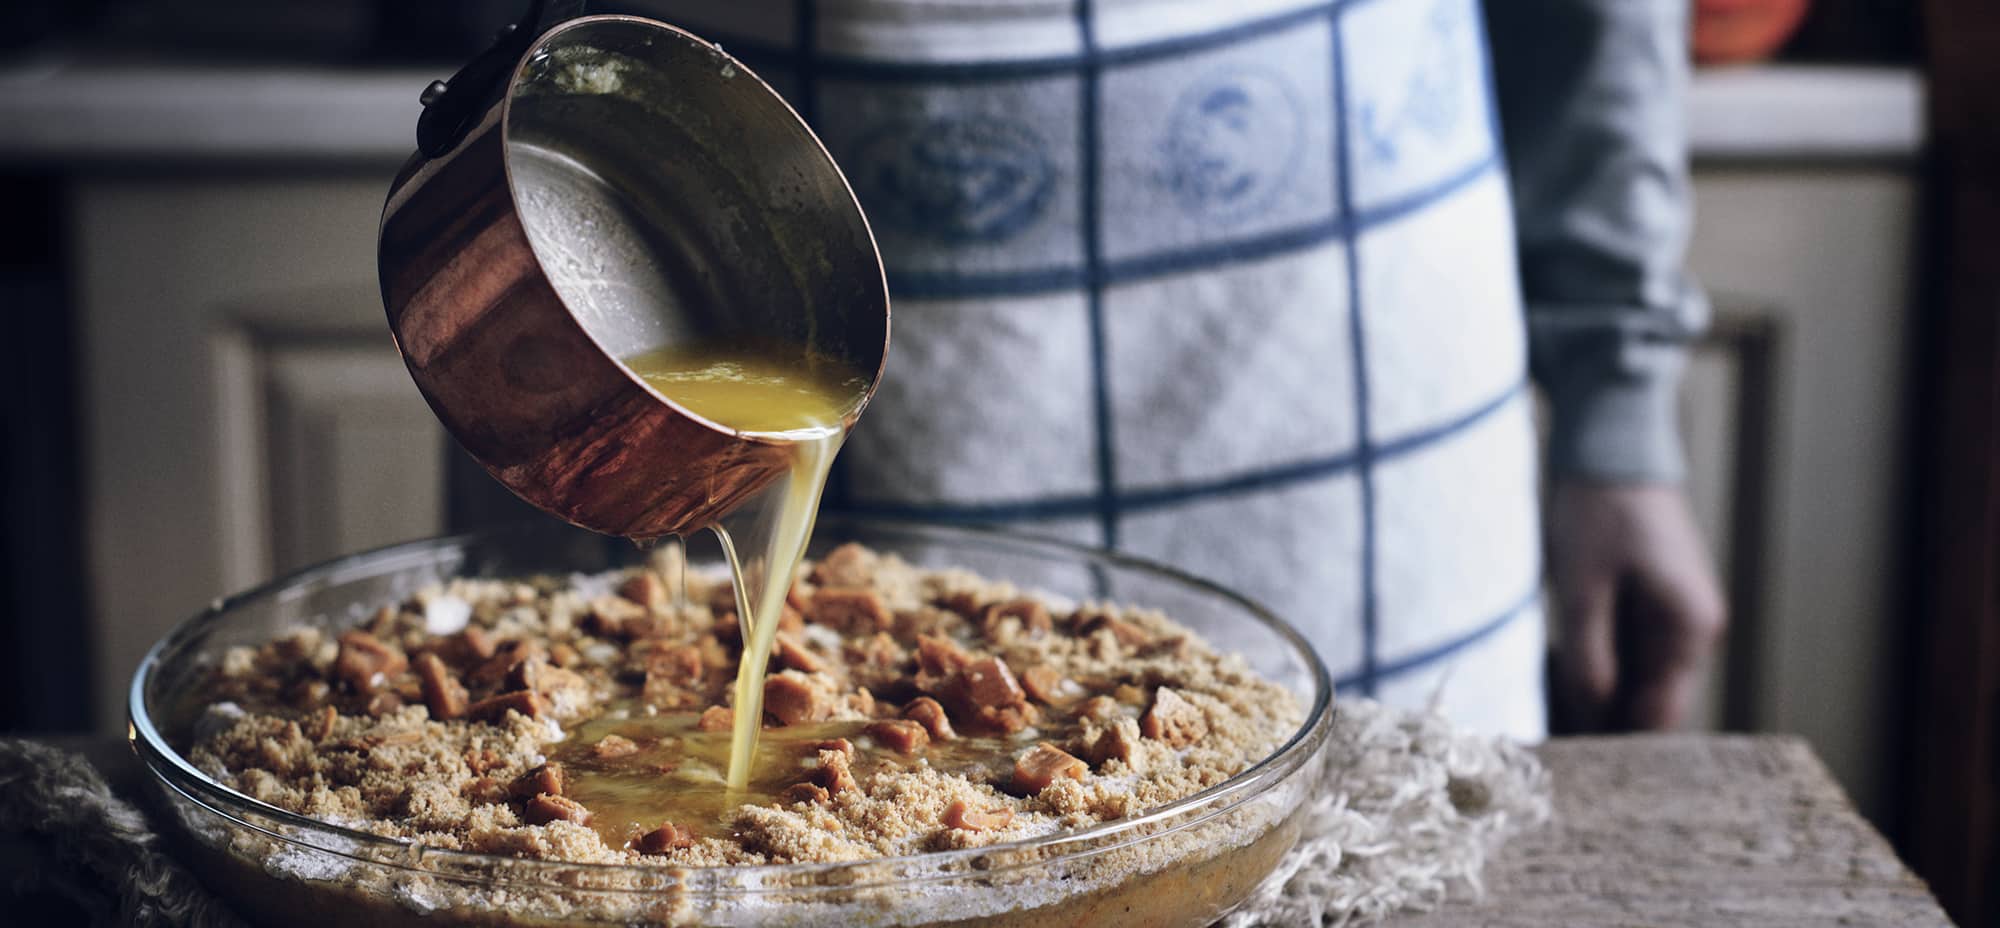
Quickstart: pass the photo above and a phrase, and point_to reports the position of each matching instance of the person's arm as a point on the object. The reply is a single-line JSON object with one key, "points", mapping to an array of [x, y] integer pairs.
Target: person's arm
{"points": [[1592, 103]]}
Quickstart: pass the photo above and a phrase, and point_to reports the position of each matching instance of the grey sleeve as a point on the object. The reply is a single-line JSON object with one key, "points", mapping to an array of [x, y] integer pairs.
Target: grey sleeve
{"points": [[1592, 103]]}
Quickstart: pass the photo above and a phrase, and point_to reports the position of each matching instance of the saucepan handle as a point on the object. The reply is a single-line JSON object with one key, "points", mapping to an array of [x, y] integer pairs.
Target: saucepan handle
{"points": [[452, 106]]}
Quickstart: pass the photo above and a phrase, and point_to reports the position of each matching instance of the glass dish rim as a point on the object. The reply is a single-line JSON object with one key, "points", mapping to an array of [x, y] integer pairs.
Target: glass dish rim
{"points": [[174, 771]]}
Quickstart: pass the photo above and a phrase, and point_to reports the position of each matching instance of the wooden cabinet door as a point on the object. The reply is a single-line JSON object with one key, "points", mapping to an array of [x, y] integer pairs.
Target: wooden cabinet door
{"points": [[353, 455], [247, 412]]}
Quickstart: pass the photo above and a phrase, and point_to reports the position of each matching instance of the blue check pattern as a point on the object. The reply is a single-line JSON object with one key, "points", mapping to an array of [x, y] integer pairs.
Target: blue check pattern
{"points": [[1115, 237]]}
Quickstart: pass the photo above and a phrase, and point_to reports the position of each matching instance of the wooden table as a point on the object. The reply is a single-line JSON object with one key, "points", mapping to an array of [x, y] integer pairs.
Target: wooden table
{"points": [[1656, 830], [1696, 830]]}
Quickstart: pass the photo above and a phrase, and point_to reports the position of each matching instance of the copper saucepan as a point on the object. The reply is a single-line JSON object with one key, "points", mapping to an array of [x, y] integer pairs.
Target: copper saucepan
{"points": [[611, 186]]}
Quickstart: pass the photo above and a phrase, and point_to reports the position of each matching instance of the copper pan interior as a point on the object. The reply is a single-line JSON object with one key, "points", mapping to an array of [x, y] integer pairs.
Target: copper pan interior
{"points": [[670, 195]]}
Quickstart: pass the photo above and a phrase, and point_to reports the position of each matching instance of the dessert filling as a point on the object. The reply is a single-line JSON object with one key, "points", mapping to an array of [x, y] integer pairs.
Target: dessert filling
{"points": [[590, 718]]}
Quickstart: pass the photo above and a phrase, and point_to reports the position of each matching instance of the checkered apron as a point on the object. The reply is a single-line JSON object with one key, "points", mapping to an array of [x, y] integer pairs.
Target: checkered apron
{"points": [[1226, 285]]}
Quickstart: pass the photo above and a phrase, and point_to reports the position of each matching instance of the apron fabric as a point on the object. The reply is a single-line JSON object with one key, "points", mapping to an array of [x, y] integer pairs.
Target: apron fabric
{"points": [[1227, 286]]}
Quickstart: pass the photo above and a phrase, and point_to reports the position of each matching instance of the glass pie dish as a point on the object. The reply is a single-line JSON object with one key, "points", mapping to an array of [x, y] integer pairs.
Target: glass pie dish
{"points": [[1185, 863]]}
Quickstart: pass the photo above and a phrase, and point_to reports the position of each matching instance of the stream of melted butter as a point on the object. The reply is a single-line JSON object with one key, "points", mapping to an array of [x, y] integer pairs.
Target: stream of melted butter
{"points": [[781, 394]]}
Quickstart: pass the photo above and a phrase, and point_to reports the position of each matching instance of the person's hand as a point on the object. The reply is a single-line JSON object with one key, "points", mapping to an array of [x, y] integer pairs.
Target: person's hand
{"points": [[1637, 606]]}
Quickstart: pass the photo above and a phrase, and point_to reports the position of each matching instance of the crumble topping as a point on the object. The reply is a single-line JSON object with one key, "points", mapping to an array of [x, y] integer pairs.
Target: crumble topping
{"points": [[587, 719]]}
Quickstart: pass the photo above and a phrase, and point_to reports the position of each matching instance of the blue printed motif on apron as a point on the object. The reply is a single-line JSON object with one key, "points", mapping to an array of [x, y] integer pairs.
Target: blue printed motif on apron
{"points": [[1232, 143], [962, 181]]}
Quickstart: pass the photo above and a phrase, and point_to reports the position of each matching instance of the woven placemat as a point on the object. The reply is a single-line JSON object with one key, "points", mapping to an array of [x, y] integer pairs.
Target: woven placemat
{"points": [[91, 847], [1409, 813]]}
